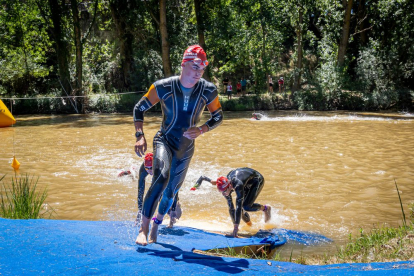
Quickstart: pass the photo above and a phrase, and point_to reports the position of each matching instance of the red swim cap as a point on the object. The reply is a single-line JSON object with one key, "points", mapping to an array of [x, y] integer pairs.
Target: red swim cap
{"points": [[195, 53], [148, 159], [222, 183]]}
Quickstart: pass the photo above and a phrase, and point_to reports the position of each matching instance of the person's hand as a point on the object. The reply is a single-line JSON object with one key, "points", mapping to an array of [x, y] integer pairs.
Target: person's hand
{"points": [[235, 231], [192, 133], [141, 146]]}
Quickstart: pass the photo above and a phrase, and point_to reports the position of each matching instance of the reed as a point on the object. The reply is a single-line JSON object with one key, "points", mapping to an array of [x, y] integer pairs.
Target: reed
{"points": [[21, 200]]}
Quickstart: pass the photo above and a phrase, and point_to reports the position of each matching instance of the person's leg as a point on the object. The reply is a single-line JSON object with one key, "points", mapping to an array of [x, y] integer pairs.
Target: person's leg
{"points": [[179, 166], [161, 168], [173, 211], [251, 196], [246, 218], [141, 189]]}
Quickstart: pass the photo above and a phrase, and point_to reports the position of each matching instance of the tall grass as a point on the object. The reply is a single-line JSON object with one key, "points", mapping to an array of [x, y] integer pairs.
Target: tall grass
{"points": [[21, 200]]}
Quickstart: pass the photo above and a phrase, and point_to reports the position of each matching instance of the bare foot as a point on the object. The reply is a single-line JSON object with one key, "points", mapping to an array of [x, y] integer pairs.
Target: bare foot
{"points": [[267, 213], [143, 232], [154, 233], [249, 223]]}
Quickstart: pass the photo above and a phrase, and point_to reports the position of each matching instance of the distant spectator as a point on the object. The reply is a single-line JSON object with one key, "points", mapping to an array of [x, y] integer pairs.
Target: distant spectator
{"points": [[238, 85], [229, 90], [243, 86], [281, 83], [270, 80], [225, 83]]}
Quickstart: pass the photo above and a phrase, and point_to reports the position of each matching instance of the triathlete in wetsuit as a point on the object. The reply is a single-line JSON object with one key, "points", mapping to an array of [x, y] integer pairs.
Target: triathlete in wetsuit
{"points": [[144, 171], [257, 116], [247, 184], [182, 100]]}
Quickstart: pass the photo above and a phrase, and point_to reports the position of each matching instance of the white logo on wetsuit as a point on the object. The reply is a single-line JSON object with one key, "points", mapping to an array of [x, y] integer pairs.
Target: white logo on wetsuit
{"points": [[186, 101]]}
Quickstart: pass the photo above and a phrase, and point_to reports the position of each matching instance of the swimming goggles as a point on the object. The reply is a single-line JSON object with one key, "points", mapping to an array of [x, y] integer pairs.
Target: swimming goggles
{"points": [[199, 61]]}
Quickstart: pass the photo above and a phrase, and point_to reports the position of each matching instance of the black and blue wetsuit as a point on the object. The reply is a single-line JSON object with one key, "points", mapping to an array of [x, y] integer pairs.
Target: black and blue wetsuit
{"points": [[247, 184], [141, 189], [173, 151]]}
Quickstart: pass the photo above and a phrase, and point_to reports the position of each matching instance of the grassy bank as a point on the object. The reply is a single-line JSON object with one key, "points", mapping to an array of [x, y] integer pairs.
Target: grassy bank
{"points": [[308, 99], [20, 199]]}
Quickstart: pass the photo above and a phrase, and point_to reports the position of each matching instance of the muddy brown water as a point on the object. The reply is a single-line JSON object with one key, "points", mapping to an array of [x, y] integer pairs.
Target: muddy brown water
{"points": [[329, 173]]}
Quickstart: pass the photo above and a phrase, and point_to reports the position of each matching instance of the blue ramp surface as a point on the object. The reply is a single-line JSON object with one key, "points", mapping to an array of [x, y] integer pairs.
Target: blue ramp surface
{"points": [[56, 247]]}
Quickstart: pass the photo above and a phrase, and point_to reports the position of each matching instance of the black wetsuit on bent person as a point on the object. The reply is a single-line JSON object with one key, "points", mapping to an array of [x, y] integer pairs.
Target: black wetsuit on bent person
{"points": [[142, 174], [247, 184], [173, 151]]}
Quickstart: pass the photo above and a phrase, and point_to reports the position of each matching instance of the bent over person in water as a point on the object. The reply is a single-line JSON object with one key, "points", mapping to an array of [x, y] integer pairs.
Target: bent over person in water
{"points": [[247, 183], [183, 99]]}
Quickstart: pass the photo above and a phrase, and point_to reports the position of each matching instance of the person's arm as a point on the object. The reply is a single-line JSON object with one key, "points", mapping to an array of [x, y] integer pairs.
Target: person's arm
{"points": [[238, 188], [231, 207], [216, 119], [145, 103], [199, 181]]}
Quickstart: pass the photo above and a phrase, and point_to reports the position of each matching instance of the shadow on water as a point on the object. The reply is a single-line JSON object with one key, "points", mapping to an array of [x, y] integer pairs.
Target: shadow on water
{"points": [[178, 255]]}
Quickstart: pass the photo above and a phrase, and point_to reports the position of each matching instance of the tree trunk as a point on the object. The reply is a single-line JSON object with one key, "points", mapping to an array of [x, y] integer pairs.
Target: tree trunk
{"points": [[61, 46], [345, 32], [299, 49], [362, 19], [200, 32], [118, 8], [78, 46], [165, 46]]}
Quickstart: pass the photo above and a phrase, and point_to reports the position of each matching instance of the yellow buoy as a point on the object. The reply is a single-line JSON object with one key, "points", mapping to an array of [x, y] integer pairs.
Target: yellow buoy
{"points": [[15, 164], [6, 118]]}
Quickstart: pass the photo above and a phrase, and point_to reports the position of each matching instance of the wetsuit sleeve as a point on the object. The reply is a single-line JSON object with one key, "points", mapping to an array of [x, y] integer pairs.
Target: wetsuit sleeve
{"points": [[238, 188], [141, 186], [231, 207], [145, 103], [216, 114]]}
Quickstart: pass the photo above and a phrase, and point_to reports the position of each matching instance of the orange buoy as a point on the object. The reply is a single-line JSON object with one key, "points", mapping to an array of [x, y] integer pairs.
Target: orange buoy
{"points": [[6, 118], [15, 164]]}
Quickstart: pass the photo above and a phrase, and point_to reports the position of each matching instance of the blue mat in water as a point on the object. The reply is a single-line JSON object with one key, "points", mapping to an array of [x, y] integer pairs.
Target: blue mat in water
{"points": [[51, 247]]}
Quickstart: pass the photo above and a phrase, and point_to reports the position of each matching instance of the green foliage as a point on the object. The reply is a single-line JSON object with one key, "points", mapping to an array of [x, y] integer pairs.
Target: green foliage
{"points": [[21, 200], [374, 246], [24, 45], [374, 76], [310, 100]]}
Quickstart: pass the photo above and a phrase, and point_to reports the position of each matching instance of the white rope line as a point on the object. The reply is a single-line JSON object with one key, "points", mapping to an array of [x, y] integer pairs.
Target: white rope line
{"points": [[69, 97]]}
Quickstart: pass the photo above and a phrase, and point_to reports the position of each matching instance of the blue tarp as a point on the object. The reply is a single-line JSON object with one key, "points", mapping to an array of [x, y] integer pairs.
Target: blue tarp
{"points": [[57, 247]]}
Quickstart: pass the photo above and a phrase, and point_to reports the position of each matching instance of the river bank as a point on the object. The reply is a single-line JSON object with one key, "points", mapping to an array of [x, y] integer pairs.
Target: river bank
{"points": [[304, 100]]}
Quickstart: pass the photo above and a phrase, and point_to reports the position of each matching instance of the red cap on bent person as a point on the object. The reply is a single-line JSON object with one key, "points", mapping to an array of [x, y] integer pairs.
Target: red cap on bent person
{"points": [[222, 183], [148, 159], [195, 53]]}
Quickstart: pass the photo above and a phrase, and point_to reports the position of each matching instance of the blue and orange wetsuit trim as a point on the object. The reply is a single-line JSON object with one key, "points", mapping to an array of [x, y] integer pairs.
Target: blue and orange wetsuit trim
{"points": [[247, 184], [173, 151]]}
